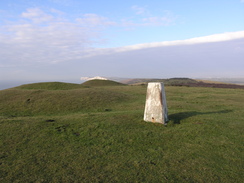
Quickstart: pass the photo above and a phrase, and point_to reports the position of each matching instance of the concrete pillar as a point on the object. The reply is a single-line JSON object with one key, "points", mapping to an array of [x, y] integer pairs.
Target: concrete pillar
{"points": [[156, 107]]}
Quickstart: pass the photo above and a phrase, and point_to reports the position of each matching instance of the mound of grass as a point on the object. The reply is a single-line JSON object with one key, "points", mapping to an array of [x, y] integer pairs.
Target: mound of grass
{"points": [[46, 102], [203, 141], [97, 82], [179, 81], [50, 86]]}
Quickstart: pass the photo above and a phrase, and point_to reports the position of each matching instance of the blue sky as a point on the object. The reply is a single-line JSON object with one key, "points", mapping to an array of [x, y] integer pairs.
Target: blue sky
{"points": [[64, 40]]}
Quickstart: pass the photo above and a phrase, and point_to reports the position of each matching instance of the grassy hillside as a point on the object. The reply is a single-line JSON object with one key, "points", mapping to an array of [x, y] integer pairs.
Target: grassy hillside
{"points": [[54, 102], [50, 86], [97, 134], [97, 82], [185, 82]]}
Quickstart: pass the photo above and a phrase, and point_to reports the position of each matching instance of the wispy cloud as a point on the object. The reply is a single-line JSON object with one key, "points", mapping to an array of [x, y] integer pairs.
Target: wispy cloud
{"points": [[37, 15], [140, 10], [62, 2], [93, 20], [198, 40], [45, 37], [157, 21], [149, 19]]}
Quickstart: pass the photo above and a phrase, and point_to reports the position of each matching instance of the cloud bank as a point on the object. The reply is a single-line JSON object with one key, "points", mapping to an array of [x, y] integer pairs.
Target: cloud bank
{"points": [[199, 40], [208, 59]]}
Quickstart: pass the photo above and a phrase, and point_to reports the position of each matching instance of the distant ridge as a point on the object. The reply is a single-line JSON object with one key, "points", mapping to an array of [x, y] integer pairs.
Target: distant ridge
{"points": [[184, 82], [50, 86], [67, 86], [171, 81], [98, 82]]}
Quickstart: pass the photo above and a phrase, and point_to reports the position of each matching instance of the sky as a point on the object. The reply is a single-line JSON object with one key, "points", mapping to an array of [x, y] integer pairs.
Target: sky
{"points": [[64, 40]]}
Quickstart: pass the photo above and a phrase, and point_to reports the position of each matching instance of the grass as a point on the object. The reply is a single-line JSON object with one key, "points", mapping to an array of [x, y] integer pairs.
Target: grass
{"points": [[102, 138], [97, 82], [50, 86], [41, 102]]}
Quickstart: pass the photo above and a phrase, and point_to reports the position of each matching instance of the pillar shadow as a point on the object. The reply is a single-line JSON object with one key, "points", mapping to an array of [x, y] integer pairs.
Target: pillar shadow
{"points": [[177, 117]]}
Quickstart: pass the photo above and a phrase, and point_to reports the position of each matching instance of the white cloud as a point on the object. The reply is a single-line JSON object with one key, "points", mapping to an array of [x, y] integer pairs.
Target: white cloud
{"points": [[37, 15], [147, 22], [93, 20], [139, 10], [157, 21], [46, 37], [198, 40], [62, 2], [148, 19]]}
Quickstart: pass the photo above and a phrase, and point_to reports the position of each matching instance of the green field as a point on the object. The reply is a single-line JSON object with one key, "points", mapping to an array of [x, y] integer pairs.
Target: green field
{"points": [[94, 132]]}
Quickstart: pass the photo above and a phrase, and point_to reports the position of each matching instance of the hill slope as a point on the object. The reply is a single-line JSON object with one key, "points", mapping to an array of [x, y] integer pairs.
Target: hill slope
{"points": [[97, 134], [97, 82], [23, 102], [50, 86]]}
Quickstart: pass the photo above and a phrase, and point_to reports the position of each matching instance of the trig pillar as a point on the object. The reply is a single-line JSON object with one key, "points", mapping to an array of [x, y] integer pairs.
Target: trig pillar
{"points": [[156, 107]]}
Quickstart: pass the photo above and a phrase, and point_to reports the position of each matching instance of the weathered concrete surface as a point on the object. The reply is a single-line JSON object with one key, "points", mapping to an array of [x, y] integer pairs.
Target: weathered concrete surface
{"points": [[156, 107]]}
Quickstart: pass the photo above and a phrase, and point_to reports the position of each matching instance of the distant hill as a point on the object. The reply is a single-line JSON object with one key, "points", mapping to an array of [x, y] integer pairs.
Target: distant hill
{"points": [[50, 86], [184, 82], [239, 81], [97, 82], [36, 99], [169, 82]]}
